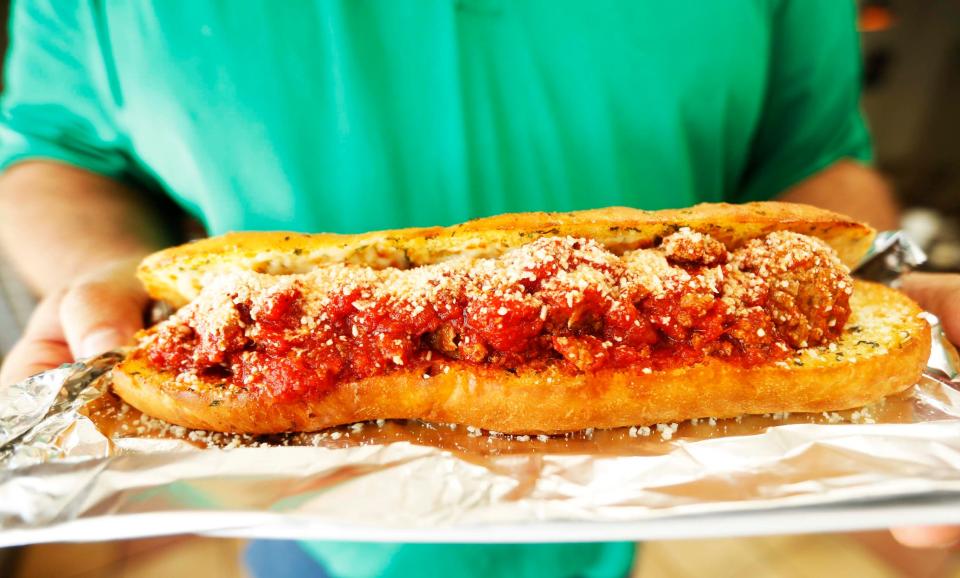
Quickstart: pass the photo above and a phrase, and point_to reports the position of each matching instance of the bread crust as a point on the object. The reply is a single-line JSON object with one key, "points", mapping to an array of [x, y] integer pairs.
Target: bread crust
{"points": [[177, 275], [882, 351]]}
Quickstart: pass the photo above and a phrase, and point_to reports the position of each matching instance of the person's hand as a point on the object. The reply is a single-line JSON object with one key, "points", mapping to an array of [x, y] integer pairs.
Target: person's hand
{"points": [[939, 294], [97, 312]]}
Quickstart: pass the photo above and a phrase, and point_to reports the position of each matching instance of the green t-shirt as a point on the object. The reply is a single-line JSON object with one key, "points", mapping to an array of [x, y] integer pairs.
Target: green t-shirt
{"points": [[355, 115]]}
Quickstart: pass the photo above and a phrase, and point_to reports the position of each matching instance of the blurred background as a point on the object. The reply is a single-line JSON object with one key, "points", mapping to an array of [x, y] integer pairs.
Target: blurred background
{"points": [[911, 51]]}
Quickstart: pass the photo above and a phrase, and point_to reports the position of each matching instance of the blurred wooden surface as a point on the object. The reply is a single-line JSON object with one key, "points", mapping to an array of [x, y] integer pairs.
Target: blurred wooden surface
{"points": [[862, 555]]}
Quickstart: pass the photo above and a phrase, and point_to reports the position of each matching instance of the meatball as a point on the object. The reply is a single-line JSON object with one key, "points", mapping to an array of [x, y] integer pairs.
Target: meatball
{"points": [[805, 287], [693, 248]]}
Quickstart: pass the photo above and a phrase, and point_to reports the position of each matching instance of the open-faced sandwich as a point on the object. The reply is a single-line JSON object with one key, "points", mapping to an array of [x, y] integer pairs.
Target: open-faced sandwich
{"points": [[525, 323]]}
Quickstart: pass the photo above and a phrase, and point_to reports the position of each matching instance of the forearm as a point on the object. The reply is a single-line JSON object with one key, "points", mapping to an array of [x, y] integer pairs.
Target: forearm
{"points": [[58, 222], [850, 188]]}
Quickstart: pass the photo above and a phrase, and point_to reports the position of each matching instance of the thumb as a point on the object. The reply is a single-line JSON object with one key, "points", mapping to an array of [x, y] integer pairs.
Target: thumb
{"points": [[102, 312]]}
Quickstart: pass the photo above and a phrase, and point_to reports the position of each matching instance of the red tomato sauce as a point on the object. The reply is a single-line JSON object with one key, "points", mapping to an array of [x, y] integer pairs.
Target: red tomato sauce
{"points": [[366, 333], [599, 333]]}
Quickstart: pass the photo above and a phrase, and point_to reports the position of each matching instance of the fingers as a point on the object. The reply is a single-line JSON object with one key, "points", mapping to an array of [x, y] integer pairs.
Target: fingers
{"points": [[938, 293], [103, 311], [927, 537], [41, 347], [97, 313]]}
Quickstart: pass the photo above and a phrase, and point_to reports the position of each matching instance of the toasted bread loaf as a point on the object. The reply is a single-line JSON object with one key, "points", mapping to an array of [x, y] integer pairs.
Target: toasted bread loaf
{"points": [[177, 275], [882, 351]]}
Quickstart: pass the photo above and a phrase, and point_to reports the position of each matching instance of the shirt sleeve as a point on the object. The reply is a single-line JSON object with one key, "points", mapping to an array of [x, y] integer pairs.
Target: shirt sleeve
{"points": [[811, 115], [53, 106]]}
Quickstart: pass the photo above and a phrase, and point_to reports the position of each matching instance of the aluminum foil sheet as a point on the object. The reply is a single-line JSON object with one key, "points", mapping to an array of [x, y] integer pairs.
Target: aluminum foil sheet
{"points": [[76, 463]]}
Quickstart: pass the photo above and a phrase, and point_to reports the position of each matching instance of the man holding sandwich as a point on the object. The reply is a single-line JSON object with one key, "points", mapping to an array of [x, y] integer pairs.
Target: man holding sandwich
{"points": [[348, 116]]}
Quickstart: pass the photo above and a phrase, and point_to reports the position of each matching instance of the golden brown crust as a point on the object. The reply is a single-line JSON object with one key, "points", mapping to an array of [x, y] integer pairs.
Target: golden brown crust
{"points": [[176, 275], [883, 351]]}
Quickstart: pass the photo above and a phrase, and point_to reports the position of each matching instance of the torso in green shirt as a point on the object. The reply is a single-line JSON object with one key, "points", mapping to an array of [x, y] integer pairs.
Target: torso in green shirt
{"points": [[355, 115], [359, 115]]}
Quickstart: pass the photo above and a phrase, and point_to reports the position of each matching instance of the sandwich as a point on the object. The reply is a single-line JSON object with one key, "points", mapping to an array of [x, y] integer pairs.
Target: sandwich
{"points": [[530, 323]]}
